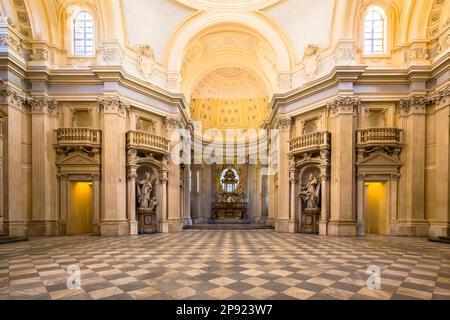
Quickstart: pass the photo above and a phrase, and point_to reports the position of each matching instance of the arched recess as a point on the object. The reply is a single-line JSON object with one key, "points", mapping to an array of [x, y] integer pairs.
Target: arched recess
{"points": [[49, 19], [176, 46], [392, 12], [159, 170]]}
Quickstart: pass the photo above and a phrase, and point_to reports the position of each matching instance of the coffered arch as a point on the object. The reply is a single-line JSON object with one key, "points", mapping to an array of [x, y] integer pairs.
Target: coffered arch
{"points": [[176, 47]]}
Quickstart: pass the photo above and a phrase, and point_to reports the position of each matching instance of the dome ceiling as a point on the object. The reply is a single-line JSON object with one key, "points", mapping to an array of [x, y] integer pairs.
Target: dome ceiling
{"points": [[230, 98], [235, 47]]}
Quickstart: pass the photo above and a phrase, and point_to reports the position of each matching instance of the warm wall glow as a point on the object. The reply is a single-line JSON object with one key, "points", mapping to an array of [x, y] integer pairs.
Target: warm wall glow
{"points": [[376, 208], [80, 217]]}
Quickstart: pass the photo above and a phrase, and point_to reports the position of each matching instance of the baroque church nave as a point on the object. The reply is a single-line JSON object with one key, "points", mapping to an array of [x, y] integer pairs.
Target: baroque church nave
{"points": [[224, 115]]}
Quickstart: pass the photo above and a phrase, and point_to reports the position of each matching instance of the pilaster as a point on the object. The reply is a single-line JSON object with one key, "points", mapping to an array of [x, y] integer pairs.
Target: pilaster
{"points": [[175, 221], [411, 216], [14, 219], [44, 220], [440, 224], [113, 210], [283, 223], [343, 114]]}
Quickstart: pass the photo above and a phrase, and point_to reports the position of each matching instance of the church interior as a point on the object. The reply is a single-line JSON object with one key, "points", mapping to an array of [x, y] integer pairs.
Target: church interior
{"points": [[294, 143]]}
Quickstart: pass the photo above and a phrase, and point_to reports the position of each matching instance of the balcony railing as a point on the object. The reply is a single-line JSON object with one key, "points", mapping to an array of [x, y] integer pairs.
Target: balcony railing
{"points": [[309, 142], [147, 141], [380, 136], [78, 137]]}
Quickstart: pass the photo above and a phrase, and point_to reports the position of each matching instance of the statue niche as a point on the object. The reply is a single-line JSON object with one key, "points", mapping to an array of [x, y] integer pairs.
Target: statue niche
{"points": [[231, 203], [146, 203], [310, 203]]}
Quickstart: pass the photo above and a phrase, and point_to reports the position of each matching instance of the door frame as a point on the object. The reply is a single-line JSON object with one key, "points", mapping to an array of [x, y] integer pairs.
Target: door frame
{"points": [[66, 182]]}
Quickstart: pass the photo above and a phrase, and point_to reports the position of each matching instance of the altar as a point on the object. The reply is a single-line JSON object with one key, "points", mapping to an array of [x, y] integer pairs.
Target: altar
{"points": [[231, 204]]}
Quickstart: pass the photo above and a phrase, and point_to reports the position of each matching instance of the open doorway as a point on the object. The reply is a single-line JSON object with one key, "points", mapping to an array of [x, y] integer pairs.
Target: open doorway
{"points": [[376, 214], [81, 211]]}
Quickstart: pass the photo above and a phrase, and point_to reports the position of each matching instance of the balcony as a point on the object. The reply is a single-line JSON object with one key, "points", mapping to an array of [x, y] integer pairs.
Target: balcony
{"points": [[78, 137], [379, 137], [310, 142], [147, 142]]}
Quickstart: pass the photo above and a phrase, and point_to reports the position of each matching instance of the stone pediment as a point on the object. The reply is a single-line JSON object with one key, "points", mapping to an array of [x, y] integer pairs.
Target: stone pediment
{"points": [[78, 159], [379, 159]]}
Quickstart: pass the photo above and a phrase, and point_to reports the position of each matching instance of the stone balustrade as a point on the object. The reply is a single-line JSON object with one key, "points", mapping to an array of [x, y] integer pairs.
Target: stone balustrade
{"points": [[310, 142], [147, 141], [379, 137], [85, 137]]}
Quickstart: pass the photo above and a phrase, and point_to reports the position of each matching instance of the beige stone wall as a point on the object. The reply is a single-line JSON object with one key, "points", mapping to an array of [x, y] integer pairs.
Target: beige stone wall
{"points": [[430, 164]]}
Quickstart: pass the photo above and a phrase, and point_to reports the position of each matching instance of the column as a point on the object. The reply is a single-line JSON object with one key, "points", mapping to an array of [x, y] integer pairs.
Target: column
{"points": [[63, 201], [282, 220], [131, 199], [195, 207], [175, 222], [293, 216], [14, 219], [411, 219], [113, 186], [2, 138], [271, 210], [96, 212], [187, 195], [361, 188], [441, 224], [343, 157], [44, 219], [325, 201], [259, 195], [206, 190], [162, 215]]}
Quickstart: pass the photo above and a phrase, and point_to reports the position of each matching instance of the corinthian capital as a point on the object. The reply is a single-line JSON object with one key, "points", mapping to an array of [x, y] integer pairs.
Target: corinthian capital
{"points": [[113, 105], [442, 98], [284, 123], [414, 105], [10, 97], [344, 105], [42, 105], [173, 123]]}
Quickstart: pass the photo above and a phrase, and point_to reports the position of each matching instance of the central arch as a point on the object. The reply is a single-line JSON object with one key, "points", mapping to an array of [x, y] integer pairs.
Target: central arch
{"points": [[176, 46]]}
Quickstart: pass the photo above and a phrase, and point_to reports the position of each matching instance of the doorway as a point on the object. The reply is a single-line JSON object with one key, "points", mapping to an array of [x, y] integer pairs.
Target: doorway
{"points": [[80, 217], [376, 217]]}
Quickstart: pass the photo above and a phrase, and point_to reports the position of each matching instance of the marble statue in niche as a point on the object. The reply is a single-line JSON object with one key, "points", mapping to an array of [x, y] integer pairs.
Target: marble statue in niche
{"points": [[145, 188], [310, 194]]}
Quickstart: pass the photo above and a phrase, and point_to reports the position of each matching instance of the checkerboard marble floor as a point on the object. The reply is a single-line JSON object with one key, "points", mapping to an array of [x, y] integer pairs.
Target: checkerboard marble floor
{"points": [[247, 264]]}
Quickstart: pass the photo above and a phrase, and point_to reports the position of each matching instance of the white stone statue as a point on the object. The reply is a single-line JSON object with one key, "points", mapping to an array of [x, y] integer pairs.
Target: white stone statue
{"points": [[310, 193], [145, 188]]}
